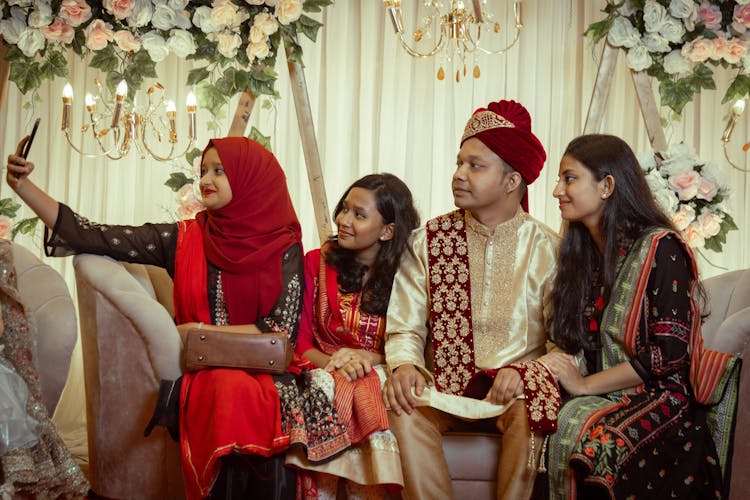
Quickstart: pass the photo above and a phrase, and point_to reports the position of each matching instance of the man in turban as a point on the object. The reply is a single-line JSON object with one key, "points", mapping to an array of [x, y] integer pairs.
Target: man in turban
{"points": [[467, 315]]}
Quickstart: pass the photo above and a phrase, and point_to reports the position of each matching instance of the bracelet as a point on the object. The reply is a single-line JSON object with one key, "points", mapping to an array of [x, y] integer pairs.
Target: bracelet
{"points": [[200, 325]]}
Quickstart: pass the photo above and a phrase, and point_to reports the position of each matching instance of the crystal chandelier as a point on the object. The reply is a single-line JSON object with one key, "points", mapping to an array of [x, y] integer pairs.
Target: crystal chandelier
{"points": [[737, 109], [120, 125], [459, 32]]}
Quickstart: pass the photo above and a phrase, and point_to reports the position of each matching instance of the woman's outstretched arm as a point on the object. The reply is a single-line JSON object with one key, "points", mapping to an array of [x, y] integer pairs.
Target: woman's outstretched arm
{"points": [[17, 176]]}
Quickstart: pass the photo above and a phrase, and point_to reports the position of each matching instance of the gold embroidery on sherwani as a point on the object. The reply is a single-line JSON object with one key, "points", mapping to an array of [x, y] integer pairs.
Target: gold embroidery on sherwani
{"points": [[447, 254], [491, 259]]}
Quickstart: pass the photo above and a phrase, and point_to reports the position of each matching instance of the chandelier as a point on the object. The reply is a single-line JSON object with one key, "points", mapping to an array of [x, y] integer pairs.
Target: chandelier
{"points": [[458, 32], [737, 109], [120, 124]]}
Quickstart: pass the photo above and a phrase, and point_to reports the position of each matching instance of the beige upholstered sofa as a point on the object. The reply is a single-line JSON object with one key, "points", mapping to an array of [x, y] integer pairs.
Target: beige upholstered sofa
{"points": [[472, 458], [129, 344], [47, 299]]}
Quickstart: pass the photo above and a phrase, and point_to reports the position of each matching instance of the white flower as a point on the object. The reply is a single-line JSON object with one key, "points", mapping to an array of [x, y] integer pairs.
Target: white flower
{"points": [[12, 28], [31, 41], [655, 180], [716, 175], [143, 10], [181, 43], [228, 43], [257, 50], [655, 43], [202, 19], [676, 166], [654, 16], [257, 35], [709, 224], [164, 17], [155, 45], [288, 11], [672, 30], [265, 22], [178, 5], [627, 9], [223, 12], [623, 34], [639, 58], [666, 199], [683, 9], [683, 217], [675, 63], [255, 2], [42, 16], [647, 160]]}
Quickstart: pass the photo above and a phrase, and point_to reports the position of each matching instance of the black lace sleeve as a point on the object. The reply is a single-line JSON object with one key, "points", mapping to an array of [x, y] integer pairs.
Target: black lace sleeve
{"points": [[153, 244], [286, 312]]}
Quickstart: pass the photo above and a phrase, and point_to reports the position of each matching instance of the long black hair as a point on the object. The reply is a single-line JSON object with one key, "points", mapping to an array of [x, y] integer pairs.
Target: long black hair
{"points": [[629, 211], [396, 205]]}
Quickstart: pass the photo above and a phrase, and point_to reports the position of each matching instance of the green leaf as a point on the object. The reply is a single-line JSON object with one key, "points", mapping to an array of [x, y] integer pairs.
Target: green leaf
{"points": [[54, 65], [703, 78], [25, 226], [738, 89], [261, 139], [308, 26], [211, 98], [197, 75], [191, 155], [315, 5], [598, 30], [105, 60], [675, 94], [713, 243], [8, 207], [177, 180], [25, 74], [729, 223], [145, 64]]}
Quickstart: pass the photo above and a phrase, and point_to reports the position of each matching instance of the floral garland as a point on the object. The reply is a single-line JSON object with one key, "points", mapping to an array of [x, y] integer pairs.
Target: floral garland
{"points": [[9, 228], [677, 42], [692, 193], [238, 40]]}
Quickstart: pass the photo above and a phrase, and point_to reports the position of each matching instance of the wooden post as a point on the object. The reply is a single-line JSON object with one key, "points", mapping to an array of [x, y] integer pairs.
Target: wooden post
{"points": [[650, 110], [4, 72], [310, 149], [602, 85], [242, 114]]}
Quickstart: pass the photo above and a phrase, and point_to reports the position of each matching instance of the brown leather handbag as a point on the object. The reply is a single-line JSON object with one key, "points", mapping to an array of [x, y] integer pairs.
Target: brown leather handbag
{"points": [[256, 352]]}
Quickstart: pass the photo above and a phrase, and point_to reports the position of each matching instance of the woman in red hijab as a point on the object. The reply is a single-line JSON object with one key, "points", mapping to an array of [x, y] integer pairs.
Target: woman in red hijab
{"points": [[238, 266]]}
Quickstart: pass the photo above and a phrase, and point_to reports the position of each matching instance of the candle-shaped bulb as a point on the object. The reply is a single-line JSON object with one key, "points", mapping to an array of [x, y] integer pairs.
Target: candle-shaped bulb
{"points": [[122, 90], [171, 115], [120, 93], [191, 103], [738, 107], [67, 93], [171, 108], [67, 99], [90, 103]]}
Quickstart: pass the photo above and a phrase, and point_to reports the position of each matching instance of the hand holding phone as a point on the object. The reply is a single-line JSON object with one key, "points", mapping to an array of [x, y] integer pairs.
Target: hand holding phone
{"points": [[27, 146]]}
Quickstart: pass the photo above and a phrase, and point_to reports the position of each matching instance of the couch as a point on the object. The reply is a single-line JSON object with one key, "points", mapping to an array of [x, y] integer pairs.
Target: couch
{"points": [[472, 458], [129, 343], [47, 299]]}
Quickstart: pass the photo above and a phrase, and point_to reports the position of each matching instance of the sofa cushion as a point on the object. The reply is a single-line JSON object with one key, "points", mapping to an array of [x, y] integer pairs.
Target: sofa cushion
{"points": [[472, 456]]}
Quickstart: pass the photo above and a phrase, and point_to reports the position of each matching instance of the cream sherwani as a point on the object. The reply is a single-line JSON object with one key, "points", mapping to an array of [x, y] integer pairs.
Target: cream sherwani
{"points": [[511, 272]]}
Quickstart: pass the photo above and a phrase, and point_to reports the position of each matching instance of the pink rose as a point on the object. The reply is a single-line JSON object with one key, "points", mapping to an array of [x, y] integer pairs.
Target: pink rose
{"points": [[720, 47], [709, 224], [683, 217], [119, 8], [685, 184], [693, 236], [706, 189], [700, 50], [5, 226], [76, 12], [98, 34], [710, 14], [742, 15], [59, 31], [126, 41], [735, 51]]}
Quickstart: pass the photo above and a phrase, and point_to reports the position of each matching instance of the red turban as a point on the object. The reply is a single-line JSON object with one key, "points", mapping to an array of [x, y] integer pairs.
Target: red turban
{"points": [[505, 128]]}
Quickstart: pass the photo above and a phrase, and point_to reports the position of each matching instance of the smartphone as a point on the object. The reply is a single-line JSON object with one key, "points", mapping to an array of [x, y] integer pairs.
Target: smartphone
{"points": [[27, 146]]}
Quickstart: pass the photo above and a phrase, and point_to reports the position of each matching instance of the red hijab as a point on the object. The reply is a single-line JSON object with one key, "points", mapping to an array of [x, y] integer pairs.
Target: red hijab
{"points": [[247, 238]]}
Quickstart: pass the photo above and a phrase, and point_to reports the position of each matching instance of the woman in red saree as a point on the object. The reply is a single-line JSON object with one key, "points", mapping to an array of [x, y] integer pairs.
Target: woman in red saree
{"points": [[237, 266], [348, 285]]}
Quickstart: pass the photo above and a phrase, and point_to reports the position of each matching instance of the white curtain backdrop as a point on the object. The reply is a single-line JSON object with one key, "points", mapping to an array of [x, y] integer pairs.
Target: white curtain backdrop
{"points": [[377, 110]]}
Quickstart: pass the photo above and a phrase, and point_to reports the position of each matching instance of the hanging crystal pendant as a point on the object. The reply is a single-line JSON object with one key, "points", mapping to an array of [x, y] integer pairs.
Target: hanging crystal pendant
{"points": [[441, 74]]}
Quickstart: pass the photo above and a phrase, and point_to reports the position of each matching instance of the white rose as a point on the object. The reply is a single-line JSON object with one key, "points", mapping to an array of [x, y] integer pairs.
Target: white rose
{"points": [[257, 35], [683, 217], [675, 63], [202, 19], [654, 16], [667, 200], [178, 5], [41, 17], [223, 12], [693, 236], [163, 18], [672, 30], [126, 41], [31, 41], [288, 11], [257, 50], [265, 22], [181, 43], [228, 43], [21, 3], [272, 3], [716, 175], [623, 34], [655, 43], [709, 224], [143, 10], [647, 160], [155, 45], [255, 2], [745, 63], [681, 150], [655, 181], [626, 9], [639, 58], [676, 166], [683, 9], [11, 30]]}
